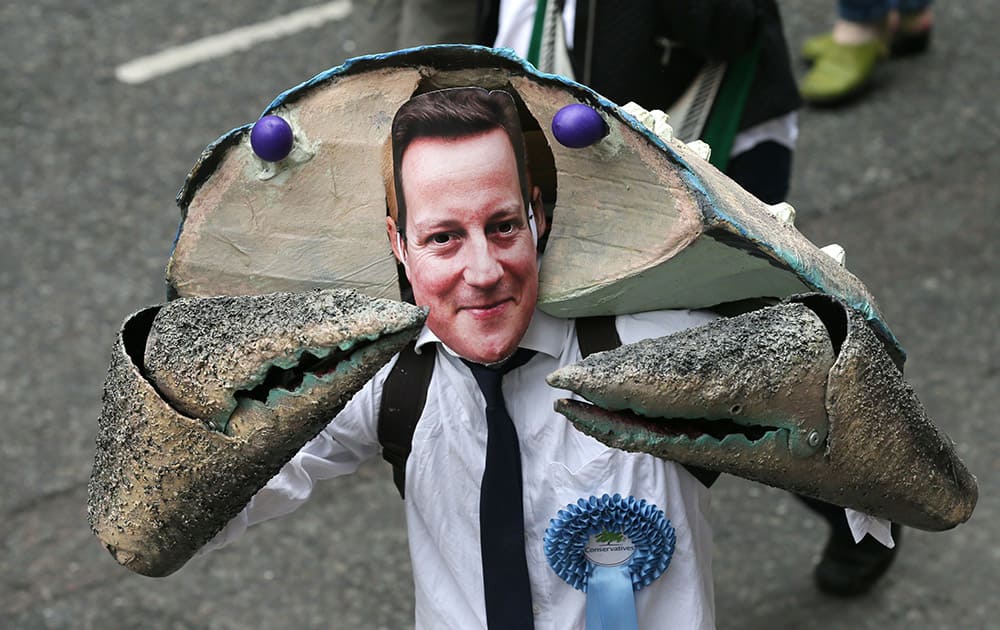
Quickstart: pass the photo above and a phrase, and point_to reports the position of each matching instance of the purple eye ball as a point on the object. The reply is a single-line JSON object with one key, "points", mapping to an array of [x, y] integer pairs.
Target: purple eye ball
{"points": [[577, 126], [271, 138]]}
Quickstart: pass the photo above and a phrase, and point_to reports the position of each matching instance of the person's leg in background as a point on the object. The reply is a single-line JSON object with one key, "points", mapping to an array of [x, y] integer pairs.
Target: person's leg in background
{"points": [[910, 26], [864, 33]]}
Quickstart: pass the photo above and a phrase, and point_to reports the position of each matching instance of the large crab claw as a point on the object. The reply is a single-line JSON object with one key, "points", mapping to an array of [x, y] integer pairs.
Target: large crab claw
{"points": [[801, 396], [206, 398]]}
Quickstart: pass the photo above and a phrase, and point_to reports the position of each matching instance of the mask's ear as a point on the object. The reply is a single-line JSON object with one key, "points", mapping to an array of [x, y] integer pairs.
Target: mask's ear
{"points": [[532, 225], [537, 222], [396, 241]]}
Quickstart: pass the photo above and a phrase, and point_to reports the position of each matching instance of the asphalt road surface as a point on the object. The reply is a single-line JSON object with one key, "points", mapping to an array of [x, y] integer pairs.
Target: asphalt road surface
{"points": [[906, 180]]}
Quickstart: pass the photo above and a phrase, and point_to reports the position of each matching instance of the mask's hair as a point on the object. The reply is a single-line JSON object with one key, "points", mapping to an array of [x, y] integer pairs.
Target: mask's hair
{"points": [[449, 113]]}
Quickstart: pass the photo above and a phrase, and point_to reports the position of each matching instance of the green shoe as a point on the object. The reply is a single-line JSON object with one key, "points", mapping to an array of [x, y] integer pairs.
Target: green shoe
{"points": [[841, 72], [814, 47], [902, 43]]}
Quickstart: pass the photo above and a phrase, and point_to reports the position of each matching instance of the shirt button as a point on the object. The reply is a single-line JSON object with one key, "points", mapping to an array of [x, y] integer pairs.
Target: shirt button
{"points": [[535, 608]]}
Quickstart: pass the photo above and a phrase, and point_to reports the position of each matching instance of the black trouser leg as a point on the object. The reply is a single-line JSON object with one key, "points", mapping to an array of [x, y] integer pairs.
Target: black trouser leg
{"points": [[847, 569], [764, 171], [833, 515]]}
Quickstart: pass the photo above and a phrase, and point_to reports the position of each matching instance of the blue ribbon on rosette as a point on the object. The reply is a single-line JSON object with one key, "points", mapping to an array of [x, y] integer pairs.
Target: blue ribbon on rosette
{"points": [[609, 548]]}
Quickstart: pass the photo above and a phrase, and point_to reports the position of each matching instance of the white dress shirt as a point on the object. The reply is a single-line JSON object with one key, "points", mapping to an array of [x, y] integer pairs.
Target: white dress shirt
{"points": [[560, 465]]}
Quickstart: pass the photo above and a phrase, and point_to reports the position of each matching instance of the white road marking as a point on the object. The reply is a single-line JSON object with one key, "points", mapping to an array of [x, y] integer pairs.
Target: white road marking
{"points": [[172, 59]]}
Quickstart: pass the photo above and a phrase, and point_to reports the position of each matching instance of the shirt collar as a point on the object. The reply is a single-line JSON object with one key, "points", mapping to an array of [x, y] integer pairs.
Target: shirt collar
{"points": [[546, 334]]}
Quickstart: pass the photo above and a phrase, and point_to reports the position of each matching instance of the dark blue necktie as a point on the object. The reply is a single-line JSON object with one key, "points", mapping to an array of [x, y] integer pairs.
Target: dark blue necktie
{"points": [[501, 508]]}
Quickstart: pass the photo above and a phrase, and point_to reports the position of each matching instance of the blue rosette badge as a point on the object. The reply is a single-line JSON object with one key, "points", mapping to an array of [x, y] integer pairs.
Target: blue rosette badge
{"points": [[609, 548]]}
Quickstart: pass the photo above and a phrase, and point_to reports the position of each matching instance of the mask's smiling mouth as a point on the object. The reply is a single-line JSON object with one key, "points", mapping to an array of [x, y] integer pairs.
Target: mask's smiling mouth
{"points": [[487, 310]]}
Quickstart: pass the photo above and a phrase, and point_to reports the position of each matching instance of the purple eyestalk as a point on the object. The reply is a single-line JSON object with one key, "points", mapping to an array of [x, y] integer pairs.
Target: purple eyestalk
{"points": [[577, 126], [271, 138]]}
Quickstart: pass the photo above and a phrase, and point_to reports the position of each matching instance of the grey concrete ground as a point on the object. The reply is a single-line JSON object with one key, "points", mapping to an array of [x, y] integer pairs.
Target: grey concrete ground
{"points": [[906, 180]]}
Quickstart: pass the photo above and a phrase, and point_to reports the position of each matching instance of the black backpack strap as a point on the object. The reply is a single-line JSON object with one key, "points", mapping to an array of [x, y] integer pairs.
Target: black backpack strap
{"points": [[599, 333], [403, 397]]}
